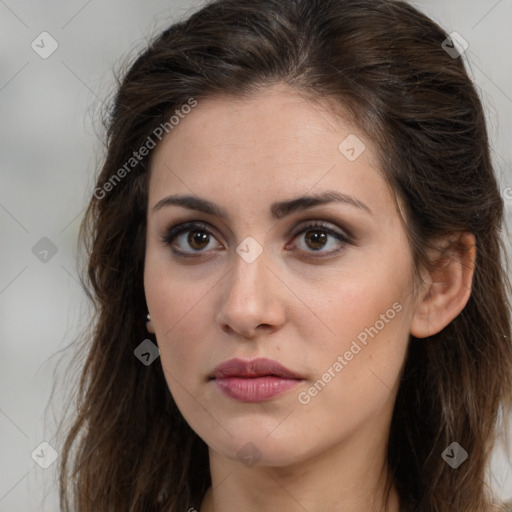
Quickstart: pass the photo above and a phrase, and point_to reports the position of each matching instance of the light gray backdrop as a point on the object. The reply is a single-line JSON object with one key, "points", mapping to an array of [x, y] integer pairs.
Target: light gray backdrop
{"points": [[48, 115]]}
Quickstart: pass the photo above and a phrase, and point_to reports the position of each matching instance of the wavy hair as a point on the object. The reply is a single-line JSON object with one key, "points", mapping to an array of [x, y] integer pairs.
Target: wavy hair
{"points": [[128, 447]]}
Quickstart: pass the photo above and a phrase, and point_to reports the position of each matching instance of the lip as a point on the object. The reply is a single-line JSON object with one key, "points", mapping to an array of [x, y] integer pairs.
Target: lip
{"points": [[259, 367], [255, 380]]}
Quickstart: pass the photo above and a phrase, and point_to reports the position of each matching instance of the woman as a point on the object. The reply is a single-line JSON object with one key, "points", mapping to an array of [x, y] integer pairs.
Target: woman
{"points": [[300, 198]]}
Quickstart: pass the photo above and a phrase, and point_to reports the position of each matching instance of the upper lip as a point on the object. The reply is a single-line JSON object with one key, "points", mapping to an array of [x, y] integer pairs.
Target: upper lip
{"points": [[252, 368]]}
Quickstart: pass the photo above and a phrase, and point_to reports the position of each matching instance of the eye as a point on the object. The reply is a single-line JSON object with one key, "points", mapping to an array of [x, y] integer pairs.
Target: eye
{"points": [[198, 237], [317, 236]]}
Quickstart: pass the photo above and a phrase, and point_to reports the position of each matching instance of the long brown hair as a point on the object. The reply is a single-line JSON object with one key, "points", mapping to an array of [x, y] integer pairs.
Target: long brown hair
{"points": [[129, 448]]}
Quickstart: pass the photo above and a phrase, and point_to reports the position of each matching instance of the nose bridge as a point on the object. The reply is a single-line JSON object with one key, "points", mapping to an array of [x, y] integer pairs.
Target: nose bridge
{"points": [[248, 299], [248, 276]]}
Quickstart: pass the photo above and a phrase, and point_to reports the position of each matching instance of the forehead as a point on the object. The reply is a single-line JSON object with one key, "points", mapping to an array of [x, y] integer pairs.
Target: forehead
{"points": [[276, 140], [274, 120]]}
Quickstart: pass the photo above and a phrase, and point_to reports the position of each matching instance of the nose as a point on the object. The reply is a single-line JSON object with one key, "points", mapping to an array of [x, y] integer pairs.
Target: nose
{"points": [[252, 303]]}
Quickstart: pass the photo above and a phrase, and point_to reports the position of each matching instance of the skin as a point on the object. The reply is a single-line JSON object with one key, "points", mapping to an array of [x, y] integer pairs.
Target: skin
{"points": [[289, 304]]}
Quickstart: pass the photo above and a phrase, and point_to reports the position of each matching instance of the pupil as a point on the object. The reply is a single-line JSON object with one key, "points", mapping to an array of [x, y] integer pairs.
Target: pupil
{"points": [[317, 237], [197, 237]]}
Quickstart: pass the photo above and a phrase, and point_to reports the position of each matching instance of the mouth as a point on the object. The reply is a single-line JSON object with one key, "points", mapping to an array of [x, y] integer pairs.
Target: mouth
{"points": [[256, 380], [260, 367]]}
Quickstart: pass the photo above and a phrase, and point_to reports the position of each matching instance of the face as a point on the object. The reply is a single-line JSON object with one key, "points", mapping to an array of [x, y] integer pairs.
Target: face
{"points": [[322, 287]]}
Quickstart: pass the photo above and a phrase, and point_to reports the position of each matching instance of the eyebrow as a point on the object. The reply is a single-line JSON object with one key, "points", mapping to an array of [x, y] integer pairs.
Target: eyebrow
{"points": [[278, 210]]}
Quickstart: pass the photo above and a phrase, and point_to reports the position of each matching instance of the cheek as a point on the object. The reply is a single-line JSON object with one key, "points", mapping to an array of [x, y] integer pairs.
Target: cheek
{"points": [[178, 314], [356, 375], [357, 364], [365, 389], [364, 303]]}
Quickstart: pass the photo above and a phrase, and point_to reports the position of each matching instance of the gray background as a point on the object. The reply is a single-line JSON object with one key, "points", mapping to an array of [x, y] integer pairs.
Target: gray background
{"points": [[48, 123]]}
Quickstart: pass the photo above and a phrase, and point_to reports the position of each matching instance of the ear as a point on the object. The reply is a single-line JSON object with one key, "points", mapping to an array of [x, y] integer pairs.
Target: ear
{"points": [[447, 289], [149, 325]]}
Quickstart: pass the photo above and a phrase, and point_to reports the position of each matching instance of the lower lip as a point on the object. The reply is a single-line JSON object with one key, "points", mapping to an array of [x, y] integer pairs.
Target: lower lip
{"points": [[255, 389]]}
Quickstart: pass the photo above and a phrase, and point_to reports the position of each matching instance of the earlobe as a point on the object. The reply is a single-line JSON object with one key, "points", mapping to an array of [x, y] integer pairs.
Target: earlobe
{"points": [[149, 325], [448, 288]]}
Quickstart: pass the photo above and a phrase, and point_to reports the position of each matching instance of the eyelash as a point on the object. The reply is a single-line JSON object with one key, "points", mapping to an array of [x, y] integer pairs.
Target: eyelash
{"points": [[173, 231]]}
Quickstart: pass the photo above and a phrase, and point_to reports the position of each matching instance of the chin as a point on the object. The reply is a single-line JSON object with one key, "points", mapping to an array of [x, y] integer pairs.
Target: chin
{"points": [[259, 449]]}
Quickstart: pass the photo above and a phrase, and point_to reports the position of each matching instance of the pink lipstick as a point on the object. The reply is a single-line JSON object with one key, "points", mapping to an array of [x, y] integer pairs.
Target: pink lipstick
{"points": [[256, 380]]}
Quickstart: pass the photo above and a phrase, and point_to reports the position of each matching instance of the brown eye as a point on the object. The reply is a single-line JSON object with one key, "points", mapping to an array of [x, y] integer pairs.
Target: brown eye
{"points": [[198, 240], [189, 238], [318, 236], [193, 239], [316, 239]]}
